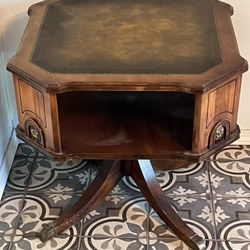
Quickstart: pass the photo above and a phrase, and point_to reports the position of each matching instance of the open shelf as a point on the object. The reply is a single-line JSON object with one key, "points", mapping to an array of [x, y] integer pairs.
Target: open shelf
{"points": [[125, 125]]}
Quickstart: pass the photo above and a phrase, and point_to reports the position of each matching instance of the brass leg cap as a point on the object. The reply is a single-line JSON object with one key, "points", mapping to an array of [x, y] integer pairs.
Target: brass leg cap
{"points": [[197, 243]]}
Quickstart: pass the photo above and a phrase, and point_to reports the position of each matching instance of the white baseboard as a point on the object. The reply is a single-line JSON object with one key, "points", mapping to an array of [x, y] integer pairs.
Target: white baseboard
{"points": [[244, 137], [7, 161]]}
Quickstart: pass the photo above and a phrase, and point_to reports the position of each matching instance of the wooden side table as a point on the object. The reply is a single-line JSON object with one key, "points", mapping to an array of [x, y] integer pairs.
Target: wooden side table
{"points": [[128, 80]]}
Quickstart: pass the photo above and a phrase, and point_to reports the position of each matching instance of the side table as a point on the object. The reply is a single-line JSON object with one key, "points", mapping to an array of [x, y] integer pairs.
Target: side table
{"points": [[128, 81]]}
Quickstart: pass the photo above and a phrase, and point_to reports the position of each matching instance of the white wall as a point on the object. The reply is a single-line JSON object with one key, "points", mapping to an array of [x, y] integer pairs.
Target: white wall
{"points": [[5, 117], [13, 20], [241, 22], [5, 114], [5, 126]]}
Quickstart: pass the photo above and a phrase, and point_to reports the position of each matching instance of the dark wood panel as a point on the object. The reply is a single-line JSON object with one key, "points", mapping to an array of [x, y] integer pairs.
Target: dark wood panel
{"points": [[215, 108], [221, 100], [125, 124], [37, 112], [32, 101]]}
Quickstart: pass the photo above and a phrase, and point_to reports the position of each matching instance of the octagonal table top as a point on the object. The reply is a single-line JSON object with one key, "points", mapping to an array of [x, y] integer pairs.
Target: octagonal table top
{"points": [[133, 44]]}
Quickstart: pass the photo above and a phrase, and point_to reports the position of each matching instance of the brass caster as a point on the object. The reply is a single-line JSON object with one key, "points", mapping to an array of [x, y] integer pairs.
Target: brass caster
{"points": [[48, 232], [197, 243]]}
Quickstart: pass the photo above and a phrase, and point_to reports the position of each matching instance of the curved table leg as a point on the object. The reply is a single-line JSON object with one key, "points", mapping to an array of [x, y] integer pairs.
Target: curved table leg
{"points": [[144, 177], [106, 179]]}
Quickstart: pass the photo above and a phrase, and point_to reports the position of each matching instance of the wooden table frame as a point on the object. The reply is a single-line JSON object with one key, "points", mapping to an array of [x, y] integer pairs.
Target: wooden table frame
{"points": [[172, 117]]}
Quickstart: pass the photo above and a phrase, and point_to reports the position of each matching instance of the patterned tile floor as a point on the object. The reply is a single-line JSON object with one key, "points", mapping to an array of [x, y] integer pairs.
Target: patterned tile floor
{"points": [[213, 197]]}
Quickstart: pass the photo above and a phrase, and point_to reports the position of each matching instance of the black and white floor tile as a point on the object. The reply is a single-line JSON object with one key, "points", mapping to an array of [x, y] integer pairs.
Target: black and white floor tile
{"points": [[213, 197]]}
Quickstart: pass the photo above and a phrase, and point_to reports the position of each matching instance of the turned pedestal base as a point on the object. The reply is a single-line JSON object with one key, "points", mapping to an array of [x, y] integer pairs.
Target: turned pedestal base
{"points": [[107, 178]]}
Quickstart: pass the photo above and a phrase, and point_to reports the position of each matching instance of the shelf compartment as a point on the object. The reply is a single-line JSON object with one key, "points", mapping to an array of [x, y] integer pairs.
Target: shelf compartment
{"points": [[125, 125]]}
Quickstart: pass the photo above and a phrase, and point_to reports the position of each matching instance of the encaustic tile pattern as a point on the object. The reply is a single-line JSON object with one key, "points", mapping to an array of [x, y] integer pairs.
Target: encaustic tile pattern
{"points": [[213, 198]]}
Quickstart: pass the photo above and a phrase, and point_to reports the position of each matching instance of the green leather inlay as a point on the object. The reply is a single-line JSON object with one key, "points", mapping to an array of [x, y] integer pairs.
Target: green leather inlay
{"points": [[128, 36]]}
